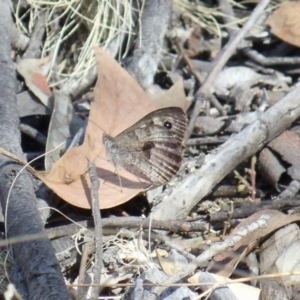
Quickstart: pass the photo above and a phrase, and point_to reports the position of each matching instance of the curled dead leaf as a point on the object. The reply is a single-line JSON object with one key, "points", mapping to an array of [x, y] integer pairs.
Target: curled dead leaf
{"points": [[228, 261], [32, 71]]}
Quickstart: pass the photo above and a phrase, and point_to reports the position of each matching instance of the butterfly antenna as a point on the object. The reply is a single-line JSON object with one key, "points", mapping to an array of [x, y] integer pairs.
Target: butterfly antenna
{"points": [[89, 120]]}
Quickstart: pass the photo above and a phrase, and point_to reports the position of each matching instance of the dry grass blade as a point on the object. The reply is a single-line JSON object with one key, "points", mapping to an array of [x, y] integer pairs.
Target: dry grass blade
{"points": [[84, 25]]}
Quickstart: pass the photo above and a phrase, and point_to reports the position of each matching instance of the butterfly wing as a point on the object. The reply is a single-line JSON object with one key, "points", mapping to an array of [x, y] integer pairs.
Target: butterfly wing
{"points": [[152, 148]]}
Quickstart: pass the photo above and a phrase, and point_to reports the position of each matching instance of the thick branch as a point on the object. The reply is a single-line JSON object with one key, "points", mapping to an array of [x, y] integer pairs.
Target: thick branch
{"points": [[40, 270], [237, 149]]}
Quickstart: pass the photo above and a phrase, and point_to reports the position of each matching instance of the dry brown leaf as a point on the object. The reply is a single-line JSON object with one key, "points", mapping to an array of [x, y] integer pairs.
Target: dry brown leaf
{"points": [[285, 22], [280, 254], [270, 167], [167, 265], [229, 260], [32, 71], [287, 145], [119, 103]]}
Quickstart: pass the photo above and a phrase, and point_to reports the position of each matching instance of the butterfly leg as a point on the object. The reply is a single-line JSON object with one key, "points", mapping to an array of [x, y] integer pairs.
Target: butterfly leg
{"points": [[139, 179], [120, 181]]}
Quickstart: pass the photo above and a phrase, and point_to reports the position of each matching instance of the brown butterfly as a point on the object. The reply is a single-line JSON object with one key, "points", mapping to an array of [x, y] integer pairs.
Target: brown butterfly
{"points": [[152, 147]]}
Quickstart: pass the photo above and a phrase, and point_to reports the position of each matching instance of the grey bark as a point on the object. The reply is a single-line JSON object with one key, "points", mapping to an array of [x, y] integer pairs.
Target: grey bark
{"points": [[179, 201], [40, 276], [222, 292], [143, 63]]}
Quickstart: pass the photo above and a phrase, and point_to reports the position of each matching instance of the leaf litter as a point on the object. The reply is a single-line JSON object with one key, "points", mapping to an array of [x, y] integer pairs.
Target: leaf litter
{"points": [[69, 179]]}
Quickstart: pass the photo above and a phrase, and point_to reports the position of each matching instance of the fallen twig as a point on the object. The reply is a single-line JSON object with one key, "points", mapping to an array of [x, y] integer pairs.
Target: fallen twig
{"points": [[187, 193], [95, 184]]}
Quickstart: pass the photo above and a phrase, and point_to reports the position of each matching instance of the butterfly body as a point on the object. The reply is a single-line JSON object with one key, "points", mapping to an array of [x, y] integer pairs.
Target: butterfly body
{"points": [[151, 148]]}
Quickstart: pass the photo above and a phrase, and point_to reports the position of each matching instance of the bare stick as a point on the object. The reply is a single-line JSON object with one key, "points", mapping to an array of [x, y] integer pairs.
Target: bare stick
{"points": [[133, 222], [33, 133], [186, 59], [207, 140], [143, 63], [81, 292], [228, 17], [185, 195], [270, 61], [196, 74], [290, 192], [34, 49], [253, 177], [95, 184], [220, 62]]}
